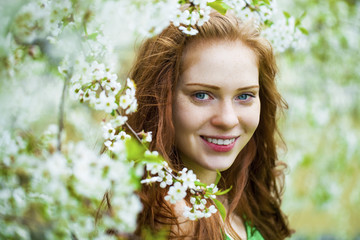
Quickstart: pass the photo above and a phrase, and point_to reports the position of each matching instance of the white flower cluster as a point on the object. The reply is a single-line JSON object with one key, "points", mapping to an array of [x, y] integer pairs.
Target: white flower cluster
{"points": [[180, 185], [260, 12], [157, 15], [279, 29], [199, 209], [97, 85], [41, 183], [68, 184], [40, 19], [196, 14], [151, 17], [284, 34]]}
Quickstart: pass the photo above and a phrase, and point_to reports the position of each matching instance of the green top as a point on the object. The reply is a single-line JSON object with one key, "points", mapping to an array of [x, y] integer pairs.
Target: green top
{"points": [[252, 233]]}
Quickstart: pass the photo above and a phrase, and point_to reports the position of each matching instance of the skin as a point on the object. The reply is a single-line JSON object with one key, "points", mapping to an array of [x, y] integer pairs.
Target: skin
{"points": [[217, 96]]}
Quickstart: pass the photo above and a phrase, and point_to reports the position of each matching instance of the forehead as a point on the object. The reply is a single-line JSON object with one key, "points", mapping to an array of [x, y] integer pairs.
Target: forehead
{"points": [[216, 61]]}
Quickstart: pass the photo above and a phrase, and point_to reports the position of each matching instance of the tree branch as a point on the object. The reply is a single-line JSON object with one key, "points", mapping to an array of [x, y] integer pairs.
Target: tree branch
{"points": [[61, 113]]}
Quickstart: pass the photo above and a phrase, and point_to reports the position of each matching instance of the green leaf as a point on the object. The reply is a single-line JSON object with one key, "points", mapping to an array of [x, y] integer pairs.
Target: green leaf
{"points": [[302, 15], [135, 151], [223, 192], [134, 180], [218, 177], [197, 183], [92, 36], [219, 6], [267, 2], [286, 14], [304, 30], [153, 159], [221, 208]]}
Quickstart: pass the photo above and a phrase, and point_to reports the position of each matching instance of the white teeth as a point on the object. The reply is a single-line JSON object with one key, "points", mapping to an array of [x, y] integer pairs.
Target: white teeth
{"points": [[220, 141]]}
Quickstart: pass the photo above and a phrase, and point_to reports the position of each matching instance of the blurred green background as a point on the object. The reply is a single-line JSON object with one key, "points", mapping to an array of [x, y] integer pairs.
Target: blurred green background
{"points": [[321, 83]]}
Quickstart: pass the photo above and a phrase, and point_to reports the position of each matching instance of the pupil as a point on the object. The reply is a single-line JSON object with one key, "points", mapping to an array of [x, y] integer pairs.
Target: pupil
{"points": [[200, 95], [243, 97]]}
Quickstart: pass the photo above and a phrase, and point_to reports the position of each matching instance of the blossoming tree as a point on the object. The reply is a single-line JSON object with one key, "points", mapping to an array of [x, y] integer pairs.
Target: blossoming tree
{"points": [[55, 169]]}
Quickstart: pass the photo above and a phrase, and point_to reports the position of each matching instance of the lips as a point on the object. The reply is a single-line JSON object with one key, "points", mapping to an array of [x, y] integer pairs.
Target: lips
{"points": [[220, 144], [220, 141]]}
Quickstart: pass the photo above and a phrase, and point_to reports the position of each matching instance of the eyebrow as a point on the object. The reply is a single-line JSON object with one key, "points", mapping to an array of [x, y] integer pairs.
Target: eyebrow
{"points": [[217, 88]]}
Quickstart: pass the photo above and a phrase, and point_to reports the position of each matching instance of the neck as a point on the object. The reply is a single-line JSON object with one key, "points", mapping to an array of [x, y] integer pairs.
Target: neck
{"points": [[208, 177], [204, 175]]}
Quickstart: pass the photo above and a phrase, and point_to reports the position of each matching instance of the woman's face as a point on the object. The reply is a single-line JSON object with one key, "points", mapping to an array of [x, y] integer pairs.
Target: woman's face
{"points": [[216, 105]]}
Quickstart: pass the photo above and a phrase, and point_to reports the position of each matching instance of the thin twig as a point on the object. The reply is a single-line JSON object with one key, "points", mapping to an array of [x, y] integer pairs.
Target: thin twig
{"points": [[127, 125], [61, 113], [133, 131]]}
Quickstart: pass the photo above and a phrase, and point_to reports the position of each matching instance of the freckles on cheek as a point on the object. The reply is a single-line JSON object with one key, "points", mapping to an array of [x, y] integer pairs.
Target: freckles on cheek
{"points": [[180, 114], [184, 117], [253, 119]]}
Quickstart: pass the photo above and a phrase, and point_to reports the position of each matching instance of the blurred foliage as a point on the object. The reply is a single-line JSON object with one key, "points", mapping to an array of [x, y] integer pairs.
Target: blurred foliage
{"points": [[321, 83]]}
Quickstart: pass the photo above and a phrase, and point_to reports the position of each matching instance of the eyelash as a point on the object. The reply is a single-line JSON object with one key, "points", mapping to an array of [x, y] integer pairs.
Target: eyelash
{"points": [[208, 97], [202, 99], [248, 95]]}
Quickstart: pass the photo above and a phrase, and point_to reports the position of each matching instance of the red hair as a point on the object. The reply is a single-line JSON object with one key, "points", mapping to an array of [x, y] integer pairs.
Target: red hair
{"points": [[254, 176]]}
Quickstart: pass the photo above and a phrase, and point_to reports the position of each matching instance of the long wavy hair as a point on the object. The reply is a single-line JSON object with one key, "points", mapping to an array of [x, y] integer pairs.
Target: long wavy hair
{"points": [[256, 176]]}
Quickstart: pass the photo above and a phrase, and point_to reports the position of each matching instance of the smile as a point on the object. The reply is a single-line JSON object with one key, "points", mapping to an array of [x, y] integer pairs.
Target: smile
{"points": [[220, 144], [219, 141]]}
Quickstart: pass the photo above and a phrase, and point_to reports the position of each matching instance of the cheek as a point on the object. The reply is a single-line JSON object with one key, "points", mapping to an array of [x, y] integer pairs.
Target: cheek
{"points": [[186, 121], [182, 117], [253, 118], [186, 116]]}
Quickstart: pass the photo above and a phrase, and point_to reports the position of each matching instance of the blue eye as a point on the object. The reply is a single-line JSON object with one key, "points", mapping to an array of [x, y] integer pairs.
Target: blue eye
{"points": [[201, 96], [245, 97]]}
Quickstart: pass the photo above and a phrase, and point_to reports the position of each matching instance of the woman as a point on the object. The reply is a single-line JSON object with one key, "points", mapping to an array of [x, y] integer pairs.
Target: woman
{"points": [[211, 102]]}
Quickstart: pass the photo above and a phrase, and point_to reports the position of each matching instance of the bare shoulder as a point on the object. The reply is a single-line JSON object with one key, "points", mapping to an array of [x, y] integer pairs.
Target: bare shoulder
{"points": [[185, 226]]}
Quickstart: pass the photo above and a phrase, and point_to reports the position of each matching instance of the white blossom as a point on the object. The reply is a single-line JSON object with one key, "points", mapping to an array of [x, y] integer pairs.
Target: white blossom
{"points": [[213, 188], [132, 108], [119, 121], [188, 178], [154, 168], [106, 103], [76, 91], [117, 145], [176, 193], [122, 136], [89, 95], [201, 3], [188, 30], [148, 137], [166, 179], [151, 180], [211, 210], [125, 101], [204, 16], [151, 154], [108, 131], [192, 213]]}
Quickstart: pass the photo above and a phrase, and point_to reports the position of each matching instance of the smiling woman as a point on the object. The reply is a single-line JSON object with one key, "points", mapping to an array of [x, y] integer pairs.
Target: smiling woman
{"points": [[211, 102], [218, 88]]}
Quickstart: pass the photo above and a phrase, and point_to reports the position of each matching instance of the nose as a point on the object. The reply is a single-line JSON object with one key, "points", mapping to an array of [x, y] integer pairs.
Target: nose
{"points": [[225, 116]]}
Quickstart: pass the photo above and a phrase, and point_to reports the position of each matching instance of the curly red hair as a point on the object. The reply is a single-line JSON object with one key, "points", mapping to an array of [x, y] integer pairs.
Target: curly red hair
{"points": [[255, 176]]}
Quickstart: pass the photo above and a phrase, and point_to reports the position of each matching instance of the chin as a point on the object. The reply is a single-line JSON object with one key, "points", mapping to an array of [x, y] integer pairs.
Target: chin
{"points": [[220, 167]]}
